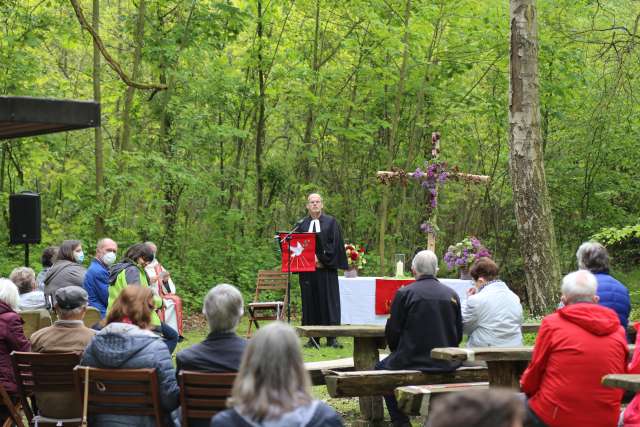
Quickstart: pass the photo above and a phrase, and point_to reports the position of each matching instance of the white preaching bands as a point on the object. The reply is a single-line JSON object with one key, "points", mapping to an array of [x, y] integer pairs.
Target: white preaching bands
{"points": [[316, 223]]}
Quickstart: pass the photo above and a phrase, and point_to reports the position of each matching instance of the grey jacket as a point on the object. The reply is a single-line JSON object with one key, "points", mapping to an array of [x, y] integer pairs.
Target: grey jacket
{"points": [[63, 273], [125, 346], [493, 317]]}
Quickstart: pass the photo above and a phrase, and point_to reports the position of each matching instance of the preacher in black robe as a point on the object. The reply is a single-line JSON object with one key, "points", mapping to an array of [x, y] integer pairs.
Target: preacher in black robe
{"points": [[319, 289]]}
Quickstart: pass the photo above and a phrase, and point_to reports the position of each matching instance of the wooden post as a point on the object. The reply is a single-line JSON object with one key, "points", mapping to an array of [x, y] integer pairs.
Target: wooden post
{"points": [[506, 373], [365, 357]]}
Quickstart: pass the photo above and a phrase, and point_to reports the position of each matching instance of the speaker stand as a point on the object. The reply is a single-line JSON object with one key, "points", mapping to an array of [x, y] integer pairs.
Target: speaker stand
{"points": [[26, 255]]}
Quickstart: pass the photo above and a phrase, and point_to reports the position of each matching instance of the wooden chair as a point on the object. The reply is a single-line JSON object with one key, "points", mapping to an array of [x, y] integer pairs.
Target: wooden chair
{"points": [[202, 395], [34, 320], [274, 282], [121, 392], [15, 418], [91, 317], [44, 373]]}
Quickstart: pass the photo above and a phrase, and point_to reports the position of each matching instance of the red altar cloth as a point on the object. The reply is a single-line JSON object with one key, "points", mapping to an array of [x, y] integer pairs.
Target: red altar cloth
{"points": [[385, 292]]}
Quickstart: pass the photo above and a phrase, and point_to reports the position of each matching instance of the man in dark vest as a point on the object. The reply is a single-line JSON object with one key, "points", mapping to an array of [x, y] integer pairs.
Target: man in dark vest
{"points": [[319, 289]]}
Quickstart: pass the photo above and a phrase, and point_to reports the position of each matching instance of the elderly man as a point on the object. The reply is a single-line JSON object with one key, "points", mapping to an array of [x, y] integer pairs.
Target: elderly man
{"points": [[575, 347], [68, 333], [96, 281], [424, 315], [593, 256], [319, 289]]}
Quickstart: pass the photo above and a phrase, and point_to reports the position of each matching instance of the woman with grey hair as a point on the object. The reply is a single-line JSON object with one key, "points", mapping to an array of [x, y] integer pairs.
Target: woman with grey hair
{"points": [[593, 256], [31, 298], [273, 388]]}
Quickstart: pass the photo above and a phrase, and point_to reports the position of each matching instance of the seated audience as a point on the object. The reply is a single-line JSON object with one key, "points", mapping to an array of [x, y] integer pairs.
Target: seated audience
{"points": [[222, 350], [30, 297], [575, 347], [477, 408], [96, 281], [126, 342], [492, 314], [67, 334], [273, 387], [130, 271], [11, 338], [67, 270], [48, 255], [425, 302], [594, 257]]}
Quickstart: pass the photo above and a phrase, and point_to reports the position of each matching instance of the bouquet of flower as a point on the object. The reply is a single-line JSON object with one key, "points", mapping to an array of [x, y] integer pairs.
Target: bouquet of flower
{"points": [[355, 256], [464, 253]]}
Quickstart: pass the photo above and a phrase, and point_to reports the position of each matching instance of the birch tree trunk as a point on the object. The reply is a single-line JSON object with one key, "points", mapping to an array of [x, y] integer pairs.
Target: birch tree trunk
{"points": [[526, 163]]}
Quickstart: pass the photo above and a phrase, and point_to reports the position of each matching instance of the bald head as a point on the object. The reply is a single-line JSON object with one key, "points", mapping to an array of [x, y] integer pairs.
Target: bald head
{"points": [[579, 286]]}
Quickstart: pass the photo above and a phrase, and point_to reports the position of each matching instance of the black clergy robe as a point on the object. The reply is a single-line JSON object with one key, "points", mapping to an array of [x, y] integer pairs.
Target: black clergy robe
{"points": [[319, 289]]}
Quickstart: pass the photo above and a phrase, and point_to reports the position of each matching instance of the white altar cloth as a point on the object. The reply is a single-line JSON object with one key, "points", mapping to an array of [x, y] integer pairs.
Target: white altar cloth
{"points": [[358, 299]]}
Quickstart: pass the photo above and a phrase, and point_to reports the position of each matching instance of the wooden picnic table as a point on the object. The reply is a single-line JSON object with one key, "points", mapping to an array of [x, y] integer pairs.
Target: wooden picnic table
{"points": [[505, 364], [367, 339], [629, 382], [366, 342]]}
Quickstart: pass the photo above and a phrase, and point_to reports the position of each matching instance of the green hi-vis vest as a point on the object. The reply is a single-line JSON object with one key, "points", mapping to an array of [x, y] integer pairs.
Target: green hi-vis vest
{"points": [[121, 283]]}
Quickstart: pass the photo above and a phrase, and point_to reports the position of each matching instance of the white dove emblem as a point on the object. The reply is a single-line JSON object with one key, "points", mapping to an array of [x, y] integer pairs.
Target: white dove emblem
{"points": [[296, 250]]}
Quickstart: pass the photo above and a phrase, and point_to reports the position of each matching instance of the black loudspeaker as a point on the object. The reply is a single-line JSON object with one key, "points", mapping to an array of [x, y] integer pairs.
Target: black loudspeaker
{"points": [[24, 217]]}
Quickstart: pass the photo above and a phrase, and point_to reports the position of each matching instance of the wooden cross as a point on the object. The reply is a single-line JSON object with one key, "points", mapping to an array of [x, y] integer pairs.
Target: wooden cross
{"points": [[387, 177]]}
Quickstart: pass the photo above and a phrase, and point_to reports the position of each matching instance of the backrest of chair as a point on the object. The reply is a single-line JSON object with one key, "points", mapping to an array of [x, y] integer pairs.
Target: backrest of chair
{"points": [[202, 395], [91, 317], [43, 372], [270, 280], [121, 391], [31, 319]]}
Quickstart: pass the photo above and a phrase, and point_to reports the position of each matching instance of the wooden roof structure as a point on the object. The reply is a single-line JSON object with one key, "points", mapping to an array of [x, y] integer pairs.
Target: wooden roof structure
{"points": [[22, 116]]}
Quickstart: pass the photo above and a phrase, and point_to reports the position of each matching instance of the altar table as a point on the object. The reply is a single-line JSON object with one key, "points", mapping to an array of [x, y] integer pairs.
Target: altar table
{"points": [[358, 299]]}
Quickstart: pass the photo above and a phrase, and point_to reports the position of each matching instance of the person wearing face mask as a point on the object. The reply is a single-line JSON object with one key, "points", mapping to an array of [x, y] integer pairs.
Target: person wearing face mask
{"points": [[131, 271], [67, 269], [96, 281]]}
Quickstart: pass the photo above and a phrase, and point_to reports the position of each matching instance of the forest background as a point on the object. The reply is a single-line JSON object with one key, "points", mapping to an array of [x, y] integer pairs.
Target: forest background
{"points": [[258, 103]]}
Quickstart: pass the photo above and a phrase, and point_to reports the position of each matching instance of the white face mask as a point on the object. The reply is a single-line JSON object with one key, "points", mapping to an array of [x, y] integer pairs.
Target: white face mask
{"points": [[109, 258]]}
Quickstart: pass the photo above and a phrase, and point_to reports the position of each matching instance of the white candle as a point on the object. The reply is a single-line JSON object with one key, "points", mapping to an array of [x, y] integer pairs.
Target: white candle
{"points": [[399, 269]]}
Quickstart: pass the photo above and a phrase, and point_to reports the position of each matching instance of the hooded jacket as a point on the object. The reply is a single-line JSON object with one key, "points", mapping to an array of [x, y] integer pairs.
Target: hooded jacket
{"points": [[125, 346], [63, 273], [11, 338], [316, 414], [575, 347]]}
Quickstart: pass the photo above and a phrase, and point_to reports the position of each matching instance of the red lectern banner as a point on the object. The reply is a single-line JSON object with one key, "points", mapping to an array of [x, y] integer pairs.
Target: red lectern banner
{"points": [[385, 292], [303, 252]]}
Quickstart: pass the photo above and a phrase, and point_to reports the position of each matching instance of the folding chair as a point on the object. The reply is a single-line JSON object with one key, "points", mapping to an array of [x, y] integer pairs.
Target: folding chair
{"points": [[202, 395], [91, 317], [14, 409], [271, 281], [120, 391], [34, 320], [40, 375]]}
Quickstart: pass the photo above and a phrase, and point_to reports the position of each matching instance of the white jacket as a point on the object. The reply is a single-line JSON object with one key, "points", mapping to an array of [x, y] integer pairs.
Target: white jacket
{"points": [[493, 317]]}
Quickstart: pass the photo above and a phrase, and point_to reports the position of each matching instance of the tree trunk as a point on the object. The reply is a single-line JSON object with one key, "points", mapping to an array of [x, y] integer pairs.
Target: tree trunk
{"points": [[526, 163], [99, 149], [260, 125]]}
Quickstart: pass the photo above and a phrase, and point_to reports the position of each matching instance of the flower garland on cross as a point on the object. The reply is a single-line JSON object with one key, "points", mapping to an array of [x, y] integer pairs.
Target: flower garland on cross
{"points": [[431, 178]]}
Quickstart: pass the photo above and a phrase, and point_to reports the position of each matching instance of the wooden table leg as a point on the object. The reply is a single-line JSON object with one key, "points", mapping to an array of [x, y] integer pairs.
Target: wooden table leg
{"points": [[506, 373], [365, 357]]}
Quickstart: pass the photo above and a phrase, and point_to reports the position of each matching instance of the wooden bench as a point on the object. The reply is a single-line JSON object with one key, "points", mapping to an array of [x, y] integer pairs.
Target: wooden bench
{"points": [[379, 383], [630, 382], [415, 400], [316, 369]]}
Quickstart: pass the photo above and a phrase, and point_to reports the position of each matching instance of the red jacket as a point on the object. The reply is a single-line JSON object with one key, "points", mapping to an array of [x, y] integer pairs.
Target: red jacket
{"points": [[576, 346], [632, 413], [11, 338]]}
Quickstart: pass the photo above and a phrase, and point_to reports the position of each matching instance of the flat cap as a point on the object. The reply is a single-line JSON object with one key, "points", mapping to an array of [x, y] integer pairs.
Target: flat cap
{"points": [[71, 297]]}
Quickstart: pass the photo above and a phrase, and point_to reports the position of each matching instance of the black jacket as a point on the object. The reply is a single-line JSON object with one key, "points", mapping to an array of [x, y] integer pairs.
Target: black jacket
{"points": [[219, 352], [424, 315]]}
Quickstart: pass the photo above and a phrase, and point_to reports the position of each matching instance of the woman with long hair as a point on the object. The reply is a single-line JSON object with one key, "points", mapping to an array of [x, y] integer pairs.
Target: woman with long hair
{"points": [[273, 387], [126, 342], [67, 269]]}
